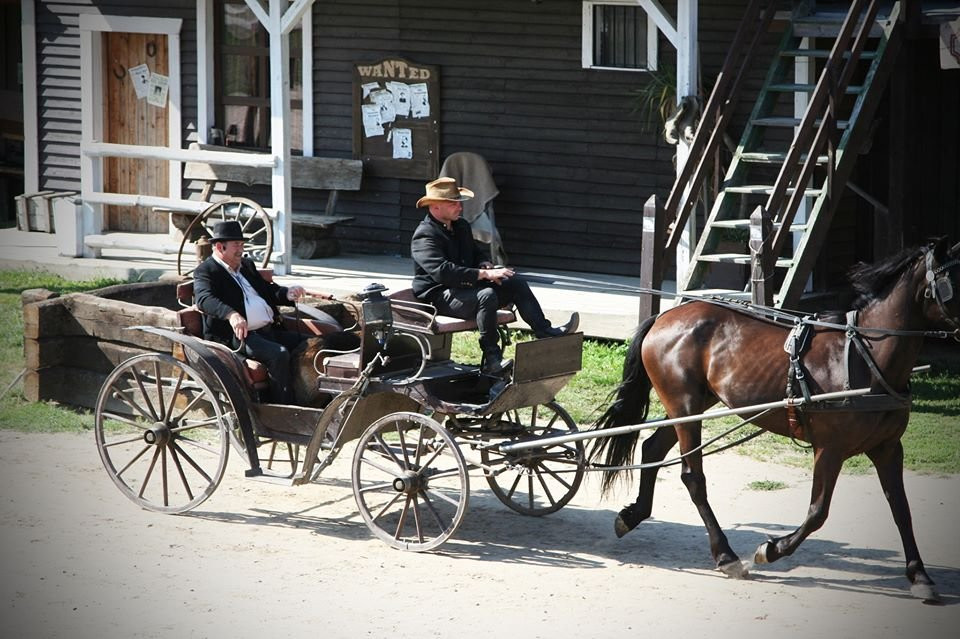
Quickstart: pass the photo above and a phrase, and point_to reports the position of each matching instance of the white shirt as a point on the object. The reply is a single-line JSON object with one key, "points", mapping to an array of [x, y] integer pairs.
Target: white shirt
{"points": [[258, 311]]}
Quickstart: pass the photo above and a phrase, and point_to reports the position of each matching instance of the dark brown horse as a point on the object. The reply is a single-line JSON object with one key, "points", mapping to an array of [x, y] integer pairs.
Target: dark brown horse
{"points": [[699, 353]]}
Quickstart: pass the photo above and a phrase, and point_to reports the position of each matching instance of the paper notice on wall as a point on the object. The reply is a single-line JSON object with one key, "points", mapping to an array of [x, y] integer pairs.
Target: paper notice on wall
{"points": [[368, 87], [371, 120], [950, 45], [419, 101], [401, 98], [402, 144], [384, 99], [140, 77], [157, 90]]}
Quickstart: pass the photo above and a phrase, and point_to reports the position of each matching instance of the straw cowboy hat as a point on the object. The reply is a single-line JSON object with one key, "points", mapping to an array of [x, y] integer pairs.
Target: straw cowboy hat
{"points": [[444, 189], [227, 232]]}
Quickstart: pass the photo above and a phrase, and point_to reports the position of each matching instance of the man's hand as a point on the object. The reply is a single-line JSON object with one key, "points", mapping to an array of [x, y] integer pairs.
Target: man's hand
{"points": [[295, 292], [496, 275], [239, 325]]}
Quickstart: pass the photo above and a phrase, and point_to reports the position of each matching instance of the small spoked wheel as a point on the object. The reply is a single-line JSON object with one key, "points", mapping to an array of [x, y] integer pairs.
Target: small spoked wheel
{"points": [[535, 481], [161, 433], [410, 481], [256, 224]]}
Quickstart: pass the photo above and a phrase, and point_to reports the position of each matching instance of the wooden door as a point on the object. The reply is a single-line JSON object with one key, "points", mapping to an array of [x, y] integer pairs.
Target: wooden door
{"points": [[131, 119]]}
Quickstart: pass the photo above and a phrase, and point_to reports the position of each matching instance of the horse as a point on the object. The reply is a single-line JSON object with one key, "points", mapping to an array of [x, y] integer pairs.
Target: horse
{"points": [[699, 353]]}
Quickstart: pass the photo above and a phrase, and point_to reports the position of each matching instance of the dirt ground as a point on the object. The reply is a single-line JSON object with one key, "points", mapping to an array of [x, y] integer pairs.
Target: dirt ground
{"points": [[259, 560]]}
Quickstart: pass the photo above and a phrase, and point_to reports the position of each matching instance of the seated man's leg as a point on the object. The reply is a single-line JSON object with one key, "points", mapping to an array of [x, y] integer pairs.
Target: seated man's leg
{"points": [[482, 304], [263, 346], [516, 291]]}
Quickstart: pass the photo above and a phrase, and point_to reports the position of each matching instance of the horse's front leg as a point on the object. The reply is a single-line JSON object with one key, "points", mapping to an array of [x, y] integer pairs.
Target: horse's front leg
{"points": [[655, 449], [696, 482], [888, 459], [826, 468]]}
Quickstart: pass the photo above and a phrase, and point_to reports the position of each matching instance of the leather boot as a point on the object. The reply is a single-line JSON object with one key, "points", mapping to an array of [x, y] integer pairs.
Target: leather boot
{"points": [[570, 327], [494, 364]]}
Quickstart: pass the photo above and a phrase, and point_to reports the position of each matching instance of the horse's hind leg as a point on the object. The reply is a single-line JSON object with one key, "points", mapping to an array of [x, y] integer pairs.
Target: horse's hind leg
{"points": [[654, 449], [696, 482], [826, 469], [888, 459]]}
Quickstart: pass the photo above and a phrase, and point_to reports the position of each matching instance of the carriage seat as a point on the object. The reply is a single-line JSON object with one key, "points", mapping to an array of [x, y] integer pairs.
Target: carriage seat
{"points": [[443, 324], [191, 320]]}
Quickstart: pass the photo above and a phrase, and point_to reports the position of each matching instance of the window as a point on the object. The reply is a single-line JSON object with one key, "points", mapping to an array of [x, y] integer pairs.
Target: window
{"points": [[243, 78], [618, 35]]}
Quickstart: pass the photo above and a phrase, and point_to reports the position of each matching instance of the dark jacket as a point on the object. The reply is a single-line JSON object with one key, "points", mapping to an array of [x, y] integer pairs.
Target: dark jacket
{"points": [[444, 259], [217, 294]]}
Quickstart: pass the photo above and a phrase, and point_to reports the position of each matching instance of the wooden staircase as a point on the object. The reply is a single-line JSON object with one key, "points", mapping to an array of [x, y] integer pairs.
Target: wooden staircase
{"points": [[784, 164]]}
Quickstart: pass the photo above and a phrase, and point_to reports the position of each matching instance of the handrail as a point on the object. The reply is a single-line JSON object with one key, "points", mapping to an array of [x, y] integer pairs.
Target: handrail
{"points": [[721, 100], [833, 82]]}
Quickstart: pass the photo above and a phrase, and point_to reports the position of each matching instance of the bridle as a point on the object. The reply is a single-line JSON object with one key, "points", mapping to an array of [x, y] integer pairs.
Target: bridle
{"points": [[940, 288]]}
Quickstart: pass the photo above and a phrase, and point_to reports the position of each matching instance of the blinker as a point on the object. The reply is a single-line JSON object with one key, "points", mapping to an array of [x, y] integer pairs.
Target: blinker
{"points": [[944, 289]]}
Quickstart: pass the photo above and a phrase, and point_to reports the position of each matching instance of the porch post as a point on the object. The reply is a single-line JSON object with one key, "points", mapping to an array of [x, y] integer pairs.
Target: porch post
{"points": [[687, 74], [280, 136]]}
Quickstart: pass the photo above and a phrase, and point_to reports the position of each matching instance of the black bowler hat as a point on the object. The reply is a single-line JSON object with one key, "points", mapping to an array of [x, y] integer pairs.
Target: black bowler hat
{"points": [[227, 232]]}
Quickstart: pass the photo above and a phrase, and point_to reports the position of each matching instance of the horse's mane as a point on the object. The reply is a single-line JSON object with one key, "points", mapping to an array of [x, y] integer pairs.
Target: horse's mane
{"points": [[874, 281]]}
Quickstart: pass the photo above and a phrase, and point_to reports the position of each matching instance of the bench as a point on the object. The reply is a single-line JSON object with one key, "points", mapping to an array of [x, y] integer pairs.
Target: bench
{"points": [[313, 232]]}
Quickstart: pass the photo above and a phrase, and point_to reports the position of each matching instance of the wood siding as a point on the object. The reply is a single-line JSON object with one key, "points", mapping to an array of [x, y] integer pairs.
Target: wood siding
{"points": [[58, 69]]}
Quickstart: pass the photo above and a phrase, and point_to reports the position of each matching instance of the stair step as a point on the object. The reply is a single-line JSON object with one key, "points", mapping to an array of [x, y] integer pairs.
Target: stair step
{"points": [[808, 88], [791, 122], [745, 224], [738, 258], [763, 157], [826, 27], [765, 189], [822, 53]]}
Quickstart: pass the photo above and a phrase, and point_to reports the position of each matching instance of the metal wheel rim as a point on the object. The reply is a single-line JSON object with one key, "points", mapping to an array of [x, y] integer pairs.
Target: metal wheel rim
{"points": [[187, 458], [259, 244], [535, 486], [410, 481]]}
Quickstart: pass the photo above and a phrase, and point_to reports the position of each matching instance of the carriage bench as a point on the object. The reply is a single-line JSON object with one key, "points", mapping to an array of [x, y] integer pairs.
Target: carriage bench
{"points": [[313, 235]]}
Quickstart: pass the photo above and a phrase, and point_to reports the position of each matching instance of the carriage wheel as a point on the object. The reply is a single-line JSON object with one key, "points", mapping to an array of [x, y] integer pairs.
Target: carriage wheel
{"points": [[256, 224], [536, 481], [161, 433], [410, 481]]}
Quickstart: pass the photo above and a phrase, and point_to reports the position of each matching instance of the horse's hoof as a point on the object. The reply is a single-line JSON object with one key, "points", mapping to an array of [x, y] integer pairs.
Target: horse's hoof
{"points": [[620, 527], [760, 557], [926, 593], [735, 569]]}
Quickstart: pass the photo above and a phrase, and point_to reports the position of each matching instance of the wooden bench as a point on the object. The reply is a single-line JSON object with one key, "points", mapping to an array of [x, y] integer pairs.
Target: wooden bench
{"points": [[313, 232]]}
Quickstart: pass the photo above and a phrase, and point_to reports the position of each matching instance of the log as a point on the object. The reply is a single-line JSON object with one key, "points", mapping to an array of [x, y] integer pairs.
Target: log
{"points": [[36, 295], [87, 353], [82, 314], [160, 293], [63, 384]]}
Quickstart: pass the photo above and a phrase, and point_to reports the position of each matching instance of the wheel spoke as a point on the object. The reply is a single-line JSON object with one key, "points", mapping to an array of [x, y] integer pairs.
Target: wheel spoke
{"points": [[159, 382], [190, 461], [387, 506], [198, 444], [416, 517], [132, 461], [188, 408], [376, 487], [176, 391], [163, 475], [382, 469], [556, 476], [146, 479], [513, 487], [436, 493], [193, 424], [433, 510], [125, 420], [435, 454], [389, 451], [143, 392], [546, 489], [120, 394], [403, 446], [403, 517], [183, 476]]}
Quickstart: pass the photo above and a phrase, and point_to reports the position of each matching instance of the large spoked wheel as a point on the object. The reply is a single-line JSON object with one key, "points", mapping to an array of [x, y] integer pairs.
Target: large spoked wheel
{"points": [[410, 481], [161, 433], [536, 481], [256, 225]]}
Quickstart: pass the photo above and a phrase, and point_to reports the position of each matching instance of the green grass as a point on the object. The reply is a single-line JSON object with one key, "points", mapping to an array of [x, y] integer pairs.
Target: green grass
{"points": [[931, 443], [15, 412], [766, 485]]}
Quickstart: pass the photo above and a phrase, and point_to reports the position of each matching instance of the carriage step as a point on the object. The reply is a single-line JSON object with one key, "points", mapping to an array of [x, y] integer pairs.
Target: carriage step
{"points": [[272, 477]]}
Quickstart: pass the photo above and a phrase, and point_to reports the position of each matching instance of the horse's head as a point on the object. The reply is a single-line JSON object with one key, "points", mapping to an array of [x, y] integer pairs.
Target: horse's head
{"points": [[941, 290]]}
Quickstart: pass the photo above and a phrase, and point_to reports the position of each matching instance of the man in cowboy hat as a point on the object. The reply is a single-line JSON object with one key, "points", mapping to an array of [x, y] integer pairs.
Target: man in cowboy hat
{"points": [[240, 306], [451, 273]]}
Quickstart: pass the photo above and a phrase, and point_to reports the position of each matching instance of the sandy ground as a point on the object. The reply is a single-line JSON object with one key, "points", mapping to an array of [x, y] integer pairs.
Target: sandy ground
{"points": [[259, 560]]}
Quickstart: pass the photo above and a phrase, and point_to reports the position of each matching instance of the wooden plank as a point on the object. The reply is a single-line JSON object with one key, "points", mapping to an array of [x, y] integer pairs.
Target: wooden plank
{"points": [[319, 221], [79, 352], [305, 172], [63, 384]]}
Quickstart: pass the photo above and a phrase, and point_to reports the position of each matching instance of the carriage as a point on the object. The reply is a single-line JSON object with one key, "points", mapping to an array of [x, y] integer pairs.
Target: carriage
{"points": [[422, 423]]}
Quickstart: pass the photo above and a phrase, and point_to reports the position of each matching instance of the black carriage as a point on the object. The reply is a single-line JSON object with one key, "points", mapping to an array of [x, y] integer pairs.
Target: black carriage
{"points": [[422, 422]]}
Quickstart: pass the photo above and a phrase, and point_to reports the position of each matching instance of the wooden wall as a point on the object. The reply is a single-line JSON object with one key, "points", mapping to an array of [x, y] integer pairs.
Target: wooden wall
{"points": [[58, 68]]}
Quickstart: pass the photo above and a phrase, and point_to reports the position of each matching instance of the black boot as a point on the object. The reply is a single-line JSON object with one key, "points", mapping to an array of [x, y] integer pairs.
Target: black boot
{"points": [[570, 327], [494, 364]]}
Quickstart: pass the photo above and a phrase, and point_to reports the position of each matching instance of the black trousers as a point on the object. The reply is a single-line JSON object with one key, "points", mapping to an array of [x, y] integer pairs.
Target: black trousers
{"points": [[272, 347], [482, 303]]}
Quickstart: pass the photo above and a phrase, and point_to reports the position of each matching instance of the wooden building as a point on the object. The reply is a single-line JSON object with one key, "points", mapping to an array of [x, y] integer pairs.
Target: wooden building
{"points": [[545, 90]]}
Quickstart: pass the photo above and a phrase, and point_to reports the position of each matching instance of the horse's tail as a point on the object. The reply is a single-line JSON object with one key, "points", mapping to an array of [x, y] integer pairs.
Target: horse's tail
{"points": [[630, 407]]}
